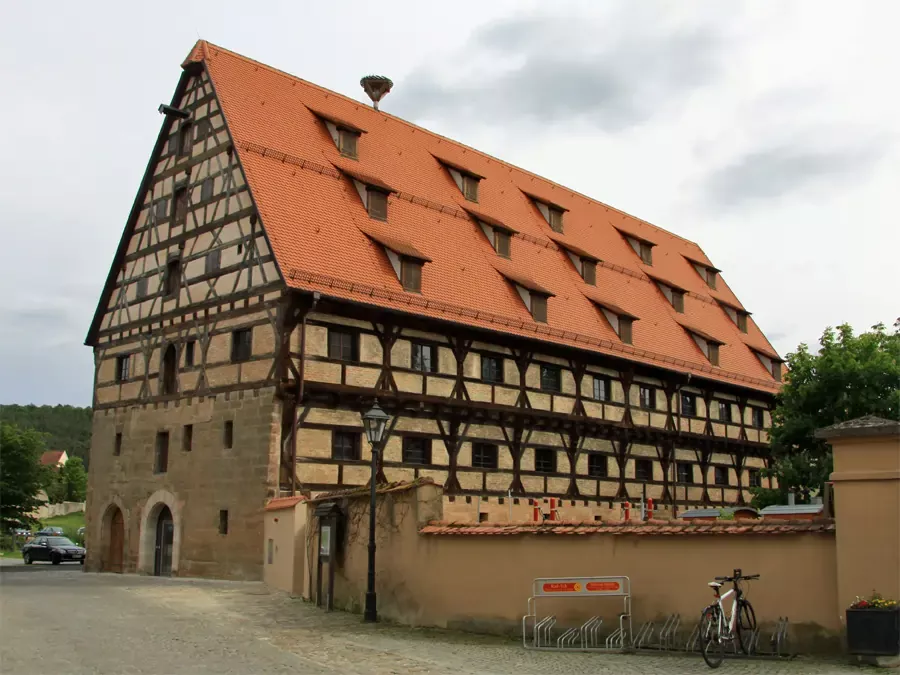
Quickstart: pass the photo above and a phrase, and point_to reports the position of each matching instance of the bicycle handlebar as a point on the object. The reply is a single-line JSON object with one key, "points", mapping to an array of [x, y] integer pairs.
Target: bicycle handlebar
{"points": [[738, 576]]}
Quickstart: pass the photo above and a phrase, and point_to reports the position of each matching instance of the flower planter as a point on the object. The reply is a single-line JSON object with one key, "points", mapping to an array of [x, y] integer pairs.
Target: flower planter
{"points": [[874, 632]]}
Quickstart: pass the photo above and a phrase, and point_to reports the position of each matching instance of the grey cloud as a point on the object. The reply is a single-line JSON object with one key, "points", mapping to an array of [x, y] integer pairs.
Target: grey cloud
{"points": [[613, 72]]}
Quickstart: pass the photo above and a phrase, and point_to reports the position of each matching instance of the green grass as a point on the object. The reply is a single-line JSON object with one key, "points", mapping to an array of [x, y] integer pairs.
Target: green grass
{"points": [[10, 554], [69, 524]]}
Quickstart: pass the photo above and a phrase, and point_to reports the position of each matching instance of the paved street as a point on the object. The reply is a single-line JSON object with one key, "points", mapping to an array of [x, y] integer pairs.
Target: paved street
{"points": [[60, 620]]}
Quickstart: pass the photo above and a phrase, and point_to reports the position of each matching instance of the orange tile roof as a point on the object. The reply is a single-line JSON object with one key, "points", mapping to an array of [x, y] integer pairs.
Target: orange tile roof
{"points": [[314, 219], [651, 527], [52, 457], [279, 503]]}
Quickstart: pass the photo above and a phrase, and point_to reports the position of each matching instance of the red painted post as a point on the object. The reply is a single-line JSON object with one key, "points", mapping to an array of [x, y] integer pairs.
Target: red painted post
{"points": [[627, 511], [537, 513], [650, 508], [553, 513]]}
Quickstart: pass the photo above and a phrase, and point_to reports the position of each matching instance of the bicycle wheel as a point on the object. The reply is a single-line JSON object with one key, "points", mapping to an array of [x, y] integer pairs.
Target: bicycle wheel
{"points": [[711, 645], [745, 625]]}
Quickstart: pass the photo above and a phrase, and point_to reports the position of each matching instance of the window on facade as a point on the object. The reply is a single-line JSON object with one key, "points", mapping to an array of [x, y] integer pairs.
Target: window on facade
{"points": [[598, 465], [169, 375], [206, 189], [647, 397], [213, 261], [625, 329], [141, 290], [502, 243], [688, 404], [228, 435], [173, 276], [470, 188], [754, 477], [720, 474], [491, 368], [416, 450], [345, 445], [241, 345], [545, 460], [711, 278], [240, 247], [646, 252], [376, 203], [643, 469], [184, 138], [602, 388], [187, 438], [117, 448], [123, 366], [423, 358], [742, 322], [161, 461], [204, 129], [347, 142], [270, 551], [776, 370], [756, 417], [678, 301], [724, 411], [685, 473], [484, 456], [162, 209], [189, 353], [539, 307], [713, 353], [342, 345], [556, 219], [181, 206], [589, 271], [223, 521], [411, 275], [551, 378]]}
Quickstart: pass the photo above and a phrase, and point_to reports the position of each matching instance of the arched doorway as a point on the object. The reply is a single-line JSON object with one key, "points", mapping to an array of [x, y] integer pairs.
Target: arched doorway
{"points": [[165, 536], [116, 552], [169, 372]]}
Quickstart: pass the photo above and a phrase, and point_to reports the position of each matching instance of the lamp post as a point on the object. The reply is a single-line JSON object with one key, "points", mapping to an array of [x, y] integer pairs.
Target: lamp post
{"points": [[374, 421]]}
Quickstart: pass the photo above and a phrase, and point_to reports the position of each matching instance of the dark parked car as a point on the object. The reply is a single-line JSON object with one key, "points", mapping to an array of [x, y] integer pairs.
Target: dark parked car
{"points": [[50, 532], [52, 549]]}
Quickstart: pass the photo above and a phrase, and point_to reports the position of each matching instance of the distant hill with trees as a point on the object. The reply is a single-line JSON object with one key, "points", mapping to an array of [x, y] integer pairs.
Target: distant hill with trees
{"points": [[64, 427]]}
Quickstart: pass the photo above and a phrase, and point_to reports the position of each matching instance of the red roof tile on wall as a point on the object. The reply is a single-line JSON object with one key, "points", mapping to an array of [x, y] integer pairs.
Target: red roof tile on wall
{"points": [[652, 527], [315, 221]]}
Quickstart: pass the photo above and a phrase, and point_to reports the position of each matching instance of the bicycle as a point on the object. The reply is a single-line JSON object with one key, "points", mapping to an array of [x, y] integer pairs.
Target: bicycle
{"points": [[716, 629]]}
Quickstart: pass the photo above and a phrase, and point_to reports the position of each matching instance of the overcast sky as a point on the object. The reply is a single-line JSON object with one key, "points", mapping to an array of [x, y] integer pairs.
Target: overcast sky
{"points": [[767, 132]]}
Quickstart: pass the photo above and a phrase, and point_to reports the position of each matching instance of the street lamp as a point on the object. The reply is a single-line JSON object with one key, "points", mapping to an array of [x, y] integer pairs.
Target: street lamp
{"points": [[374, 421]]}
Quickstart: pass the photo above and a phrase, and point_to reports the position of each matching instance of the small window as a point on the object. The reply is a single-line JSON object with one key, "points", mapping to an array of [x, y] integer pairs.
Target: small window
{"points": [[423, 358], [270, 551], [724, 411], [602, 388], [169, 371], [647, 397], [470, 188], [162, 208], [376, 203], [721, 475], [685, 473], [213, 261], [189, 353], [181, 205], [347, 143], [416, 450], [742, 322], [713, 349], [204, 129], [502, 243], [776, 370], [646, 253], [173, 276], [539, 308], [756, 417], [678, 301], [545, 460], [345, 445], [625, 328], [556, 219], [206, 189], [141, 290], [184, 138], [589, 271], [711, 278], [161, 465], [117, 448], [223, 521], [240, 247], [484, 456], [228, 435], [688, 404], [123, 366], [241, 345], [551, 378], [342, 345], [411, 275], [491, 368], [643, 469], [187, 438], [754, 477], [598, 465]]}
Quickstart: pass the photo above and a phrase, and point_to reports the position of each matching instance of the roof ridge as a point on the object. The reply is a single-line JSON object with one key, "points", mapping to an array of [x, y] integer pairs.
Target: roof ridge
{"points": [[205, 45]]}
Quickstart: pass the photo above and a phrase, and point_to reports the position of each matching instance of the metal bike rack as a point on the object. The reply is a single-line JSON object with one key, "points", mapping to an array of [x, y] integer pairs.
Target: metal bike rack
{"points": [[537, 633]]}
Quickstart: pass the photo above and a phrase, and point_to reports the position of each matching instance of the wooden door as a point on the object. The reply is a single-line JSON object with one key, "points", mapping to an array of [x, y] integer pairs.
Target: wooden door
{"points": [[116, 542], [165, 531]]}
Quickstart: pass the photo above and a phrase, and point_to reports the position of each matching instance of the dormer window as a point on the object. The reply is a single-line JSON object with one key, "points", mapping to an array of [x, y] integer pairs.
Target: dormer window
{"points": [[347, 142], [742, 321], [502, 243], [737, 315], [376, 203], [584, 262], [344, 134], [498, 234], [470, 188], [533, 295], [539, 307], [708, 273], [678, 301], [555, 219], [553, 213], [707, 344], [373, 192], [620, 320], [404, 258], [589, 271], [642, 247], [771, 362], [466, 180], [411, 274], [674, 294]]}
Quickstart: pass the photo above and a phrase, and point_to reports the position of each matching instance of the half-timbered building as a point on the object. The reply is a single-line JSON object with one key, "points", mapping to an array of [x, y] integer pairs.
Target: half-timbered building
{"points": [[293, 254]]}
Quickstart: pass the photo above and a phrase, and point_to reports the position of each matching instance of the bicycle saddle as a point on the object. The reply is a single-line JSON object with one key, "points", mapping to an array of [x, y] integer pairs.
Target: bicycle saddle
{"points": [[714, 584]]}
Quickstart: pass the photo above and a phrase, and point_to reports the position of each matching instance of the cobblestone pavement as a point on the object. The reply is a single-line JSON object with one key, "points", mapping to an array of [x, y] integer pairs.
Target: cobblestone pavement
{"points": [[60, 620]]}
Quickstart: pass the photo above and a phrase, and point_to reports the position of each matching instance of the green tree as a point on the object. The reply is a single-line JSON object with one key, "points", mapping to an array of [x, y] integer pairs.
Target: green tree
{"points": [[65, 427], [850, 376], [20, 476], [75, 478], [54, 484]]}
